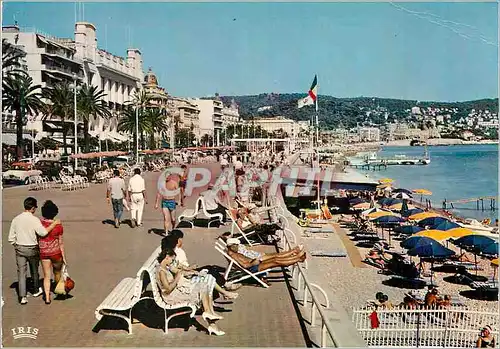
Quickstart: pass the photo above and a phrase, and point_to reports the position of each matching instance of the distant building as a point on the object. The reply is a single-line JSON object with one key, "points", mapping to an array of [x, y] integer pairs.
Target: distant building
{"points": [[211, 118], [369, 134], [230, 114], [282, 125]]}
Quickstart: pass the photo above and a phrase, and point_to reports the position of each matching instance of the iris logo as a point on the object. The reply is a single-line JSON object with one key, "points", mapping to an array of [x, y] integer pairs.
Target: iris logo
{"points": [[24, 332]]}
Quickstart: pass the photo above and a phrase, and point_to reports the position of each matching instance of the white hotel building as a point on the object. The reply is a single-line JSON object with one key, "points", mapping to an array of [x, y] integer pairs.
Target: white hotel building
{"points": [[52, 60]]}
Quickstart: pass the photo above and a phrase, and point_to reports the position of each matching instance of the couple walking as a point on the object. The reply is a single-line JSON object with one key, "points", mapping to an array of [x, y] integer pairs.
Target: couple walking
{"points": [[36, 239], [118, 196]]}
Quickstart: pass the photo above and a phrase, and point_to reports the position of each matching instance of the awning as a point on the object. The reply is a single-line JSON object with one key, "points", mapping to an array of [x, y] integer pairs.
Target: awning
{"points": [[52, 76], [10, 138], [51, 125]]}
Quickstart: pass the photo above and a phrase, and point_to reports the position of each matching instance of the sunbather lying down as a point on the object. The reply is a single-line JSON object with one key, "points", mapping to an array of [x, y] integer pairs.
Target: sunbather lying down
{"points": [[380, 259], [252, 254], [255, 265]]}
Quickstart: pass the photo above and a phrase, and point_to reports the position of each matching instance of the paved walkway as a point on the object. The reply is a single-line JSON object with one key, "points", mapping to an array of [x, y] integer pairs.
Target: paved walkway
{"points": [[99, 256]]}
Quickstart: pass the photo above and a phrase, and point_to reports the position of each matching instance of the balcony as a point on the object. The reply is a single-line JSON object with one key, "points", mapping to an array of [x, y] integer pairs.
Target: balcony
{"points": [[62, 70]]}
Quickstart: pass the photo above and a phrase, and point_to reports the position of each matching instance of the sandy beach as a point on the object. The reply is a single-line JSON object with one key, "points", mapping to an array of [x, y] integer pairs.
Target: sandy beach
{"points": [[354, 282]]}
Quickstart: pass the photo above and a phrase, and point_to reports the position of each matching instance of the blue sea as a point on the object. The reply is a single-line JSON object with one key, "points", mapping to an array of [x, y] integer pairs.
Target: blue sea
{"points": [[455, 172]]}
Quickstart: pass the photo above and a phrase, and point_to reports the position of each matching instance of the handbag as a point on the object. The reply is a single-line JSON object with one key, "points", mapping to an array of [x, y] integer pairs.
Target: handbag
{"points": [[66, 283]]}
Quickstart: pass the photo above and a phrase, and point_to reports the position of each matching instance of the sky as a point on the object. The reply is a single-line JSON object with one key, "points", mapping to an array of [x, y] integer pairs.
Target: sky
{"points": [[420, 51]]}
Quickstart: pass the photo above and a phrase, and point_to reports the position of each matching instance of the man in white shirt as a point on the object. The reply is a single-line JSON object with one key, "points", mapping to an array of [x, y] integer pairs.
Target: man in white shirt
{"points": [[137, 197], [212, 202], [23, 233], [115, 194]]}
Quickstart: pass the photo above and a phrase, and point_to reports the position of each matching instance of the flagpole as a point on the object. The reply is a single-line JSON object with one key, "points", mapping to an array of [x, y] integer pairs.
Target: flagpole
{"points": [[317, 124]]}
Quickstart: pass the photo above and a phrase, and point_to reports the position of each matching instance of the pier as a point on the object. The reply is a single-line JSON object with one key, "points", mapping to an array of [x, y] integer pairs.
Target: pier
{"points": [[480, 203], [373, 167]]}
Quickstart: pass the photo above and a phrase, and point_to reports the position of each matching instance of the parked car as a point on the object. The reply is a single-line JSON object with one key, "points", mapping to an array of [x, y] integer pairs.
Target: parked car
{"points": [[20, 173], [49, 168]]}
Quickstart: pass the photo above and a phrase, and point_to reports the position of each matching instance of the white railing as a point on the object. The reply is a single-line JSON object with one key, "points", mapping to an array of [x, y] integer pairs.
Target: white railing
{"points": [[452, 327], [303, 287]]}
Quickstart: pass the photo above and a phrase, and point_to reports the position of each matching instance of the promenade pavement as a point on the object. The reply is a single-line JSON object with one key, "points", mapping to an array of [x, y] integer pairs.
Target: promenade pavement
{"points": [[99, 256]]}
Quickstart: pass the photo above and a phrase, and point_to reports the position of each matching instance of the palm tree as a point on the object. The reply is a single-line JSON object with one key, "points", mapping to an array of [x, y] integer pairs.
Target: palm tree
{"points": [[140, 101], [61, 106], [11, 57], [156, 123], [91, 104], [21, 96], [127, 122]]}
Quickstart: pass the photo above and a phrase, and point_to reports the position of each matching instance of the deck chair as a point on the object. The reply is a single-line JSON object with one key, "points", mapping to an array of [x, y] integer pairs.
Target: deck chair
{"points": [[246, 273], [236, 228]]}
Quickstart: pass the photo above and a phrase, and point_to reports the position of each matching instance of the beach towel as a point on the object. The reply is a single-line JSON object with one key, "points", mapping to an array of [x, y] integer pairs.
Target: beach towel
{"points": [[335, 253], [320, 230]]}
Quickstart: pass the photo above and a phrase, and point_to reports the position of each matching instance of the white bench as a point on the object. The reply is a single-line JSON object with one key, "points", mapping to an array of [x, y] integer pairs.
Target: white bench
{"points": [[188, 215], [130, 291], [122, 298], [212, 217]]}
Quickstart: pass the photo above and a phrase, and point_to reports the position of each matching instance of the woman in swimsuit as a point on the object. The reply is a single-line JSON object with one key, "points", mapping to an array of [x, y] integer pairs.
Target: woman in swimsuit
{"points": [[168, 203], [182, 183]]}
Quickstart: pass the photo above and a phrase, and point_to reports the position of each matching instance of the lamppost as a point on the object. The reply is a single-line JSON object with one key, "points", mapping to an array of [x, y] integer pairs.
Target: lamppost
{"points": [[75, 87], [137, 134]]}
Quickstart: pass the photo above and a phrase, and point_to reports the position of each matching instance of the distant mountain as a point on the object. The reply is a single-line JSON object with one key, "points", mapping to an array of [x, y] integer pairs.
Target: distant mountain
{"points": [[346, 112]]}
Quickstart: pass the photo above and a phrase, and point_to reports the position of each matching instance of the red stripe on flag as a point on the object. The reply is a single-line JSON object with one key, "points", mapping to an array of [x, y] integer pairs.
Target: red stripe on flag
{"points": [[312, 95]]}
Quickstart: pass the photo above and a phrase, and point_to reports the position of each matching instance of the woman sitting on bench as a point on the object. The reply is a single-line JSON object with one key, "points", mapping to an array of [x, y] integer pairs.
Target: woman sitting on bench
{"points": [[197, 290], [255, 265]]}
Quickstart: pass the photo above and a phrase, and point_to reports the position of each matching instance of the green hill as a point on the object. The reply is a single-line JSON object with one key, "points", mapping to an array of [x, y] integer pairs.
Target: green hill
{"points": [[347, 112]]}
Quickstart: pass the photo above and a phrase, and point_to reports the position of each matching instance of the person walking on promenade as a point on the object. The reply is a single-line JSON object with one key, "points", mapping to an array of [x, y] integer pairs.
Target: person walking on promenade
{"points": [[137, 197], [51, 249], [168, 203], [183, 182], [115, 195], [23, 236]]}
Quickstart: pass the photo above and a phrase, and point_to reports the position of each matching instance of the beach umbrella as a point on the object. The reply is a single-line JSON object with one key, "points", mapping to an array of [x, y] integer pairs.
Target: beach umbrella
{"points": [[473, 241], [459, 232], [386, 180], [401, 196], [423, 215], [385, 201], [446, 225], [476, 244], [422, 191], [494, 262], [414, 241], [356, 201], [432, 250], [398, 206], [388, 219], [361, 206], [430, 221], [410, 229], [375, 215], [384, 185], [412, 212], [374, 209], [437, 235], [490, 250], [401, 190]]}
